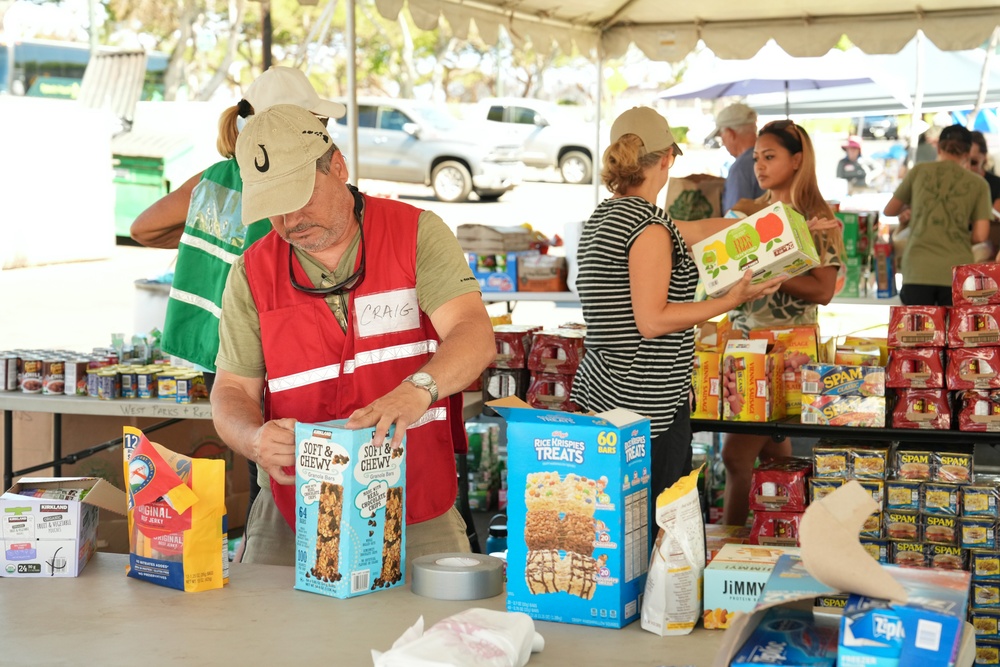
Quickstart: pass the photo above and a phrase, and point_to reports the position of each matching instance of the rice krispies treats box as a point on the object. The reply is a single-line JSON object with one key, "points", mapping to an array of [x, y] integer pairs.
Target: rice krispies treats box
{"points": [[350, 508], [578, 514]]}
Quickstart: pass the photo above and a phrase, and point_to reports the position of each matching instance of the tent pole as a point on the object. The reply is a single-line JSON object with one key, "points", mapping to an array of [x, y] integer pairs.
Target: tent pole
{"points": [[597, 161], [787, 112], [352, 94], [918, 101], [970, 120]]}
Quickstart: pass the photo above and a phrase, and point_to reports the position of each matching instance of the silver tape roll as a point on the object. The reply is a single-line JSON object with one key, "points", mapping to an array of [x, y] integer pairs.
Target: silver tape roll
{"points": [[457, 576]]}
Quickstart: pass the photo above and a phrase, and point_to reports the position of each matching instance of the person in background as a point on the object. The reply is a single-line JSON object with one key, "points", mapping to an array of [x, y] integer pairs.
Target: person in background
{"points": [[736, 127], [978, 157], [352, 307], [927, 146], [939, 201], [850, 167], [636, 283], [202, 219], [785, 165]]}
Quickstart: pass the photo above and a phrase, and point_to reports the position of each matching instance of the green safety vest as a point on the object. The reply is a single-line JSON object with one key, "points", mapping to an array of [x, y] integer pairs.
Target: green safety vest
{"points": [[214, 236]]}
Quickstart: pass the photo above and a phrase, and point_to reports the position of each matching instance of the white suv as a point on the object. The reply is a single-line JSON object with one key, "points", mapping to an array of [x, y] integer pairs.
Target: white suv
{"points": [[412, 142], [549, 135]]}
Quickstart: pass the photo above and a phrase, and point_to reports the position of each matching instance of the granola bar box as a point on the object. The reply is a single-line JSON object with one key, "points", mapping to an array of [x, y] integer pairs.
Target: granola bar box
{"points": [[578, 514], [350, 505]]}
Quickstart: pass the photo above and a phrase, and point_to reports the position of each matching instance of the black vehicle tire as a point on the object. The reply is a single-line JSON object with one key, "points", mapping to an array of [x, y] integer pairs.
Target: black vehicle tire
{"points": [[451, 181], [490, 195], [576, 167]]}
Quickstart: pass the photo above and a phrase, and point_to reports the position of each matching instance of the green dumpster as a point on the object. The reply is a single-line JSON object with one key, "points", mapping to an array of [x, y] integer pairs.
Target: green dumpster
{"points": [[145, 169]]}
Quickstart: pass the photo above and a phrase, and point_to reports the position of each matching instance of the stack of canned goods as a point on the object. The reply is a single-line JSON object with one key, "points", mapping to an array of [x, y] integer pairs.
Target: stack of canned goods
{"points": [[100, 374]]}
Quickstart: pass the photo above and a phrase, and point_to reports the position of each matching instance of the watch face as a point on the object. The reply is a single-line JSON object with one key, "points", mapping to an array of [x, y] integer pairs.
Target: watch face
{"points": [[423, 379]]}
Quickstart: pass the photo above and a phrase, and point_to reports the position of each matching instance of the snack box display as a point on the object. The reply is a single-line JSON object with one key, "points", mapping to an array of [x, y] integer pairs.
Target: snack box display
{"points": [[973, 368], [753, 388], [734, 580], [843, 410], [917, 326], [350, 497], [975, 284], [780, 484], [839, 380], [787, 636], [775, 528], [922, 408], [799, 346], [921, 368], [775, 241], [926, 630], [557, 351], [974, 326], [978, 410], [706, 379], [48, 525], [578, 514], [496, 272]]}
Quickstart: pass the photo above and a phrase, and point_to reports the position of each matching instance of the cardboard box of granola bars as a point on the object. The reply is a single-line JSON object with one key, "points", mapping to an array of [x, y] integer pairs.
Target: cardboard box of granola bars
{"points": [[350, 508], [578, 540]]}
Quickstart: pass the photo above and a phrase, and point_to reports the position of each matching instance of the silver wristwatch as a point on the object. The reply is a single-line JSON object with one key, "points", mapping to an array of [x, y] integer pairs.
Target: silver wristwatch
{"points": [[424, 381]]}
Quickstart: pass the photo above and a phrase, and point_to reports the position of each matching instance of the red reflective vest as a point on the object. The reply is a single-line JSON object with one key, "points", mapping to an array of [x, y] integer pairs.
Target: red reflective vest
{"points": [[316, 372]]}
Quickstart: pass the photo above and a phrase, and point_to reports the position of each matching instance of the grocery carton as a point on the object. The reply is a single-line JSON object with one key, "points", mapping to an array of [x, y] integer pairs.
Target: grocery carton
{"points": [[734, 580], [925, 608], [885, 271], [351, 508], [839, 380], [975, 284], [753, 387], [491, 240], [541, 273], [843, 410], [706, 379], [578, 524], [497, 272], [48, 525], [974, 326], [973, 368], [860, 228], [772, 242], [917, 326], [799, 346]]}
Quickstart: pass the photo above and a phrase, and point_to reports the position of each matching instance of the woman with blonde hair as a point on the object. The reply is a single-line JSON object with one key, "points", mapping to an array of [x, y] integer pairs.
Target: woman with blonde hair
{"points": [[636, 283], [785, 165]]}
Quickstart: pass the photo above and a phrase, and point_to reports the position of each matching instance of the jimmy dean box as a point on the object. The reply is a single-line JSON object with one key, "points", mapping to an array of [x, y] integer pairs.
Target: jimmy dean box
{"points": [[735, 578], [578, 526], [753, 388], [350, 507], [48, 525], [775, 241], [705, 384]]}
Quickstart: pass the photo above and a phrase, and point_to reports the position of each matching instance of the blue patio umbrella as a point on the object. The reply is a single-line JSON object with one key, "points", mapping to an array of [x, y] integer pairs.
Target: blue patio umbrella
{"points": [[986, 120]]}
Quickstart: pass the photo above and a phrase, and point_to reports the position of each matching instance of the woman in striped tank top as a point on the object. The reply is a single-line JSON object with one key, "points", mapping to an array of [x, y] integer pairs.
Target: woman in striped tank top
{"points": [[636, 283]]}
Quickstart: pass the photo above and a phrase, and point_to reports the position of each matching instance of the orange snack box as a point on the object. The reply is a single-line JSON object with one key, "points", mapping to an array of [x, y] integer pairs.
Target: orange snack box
{"points": [[753, 389], [799, 346], [706, 379]]}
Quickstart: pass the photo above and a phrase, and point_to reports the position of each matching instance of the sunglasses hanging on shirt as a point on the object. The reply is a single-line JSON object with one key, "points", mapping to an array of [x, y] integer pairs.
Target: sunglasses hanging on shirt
{"points": [[354, 280]]}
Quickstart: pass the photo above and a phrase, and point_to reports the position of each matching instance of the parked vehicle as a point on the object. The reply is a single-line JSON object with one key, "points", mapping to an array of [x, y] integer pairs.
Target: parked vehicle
{"points": [[413, 142], [876, 127], [548, 134]]}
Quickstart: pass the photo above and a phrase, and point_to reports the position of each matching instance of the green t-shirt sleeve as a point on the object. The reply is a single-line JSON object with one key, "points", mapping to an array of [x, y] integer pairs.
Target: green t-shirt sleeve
{"points": [[905, 190], [240, 349], [443, 271], [984, 207]]}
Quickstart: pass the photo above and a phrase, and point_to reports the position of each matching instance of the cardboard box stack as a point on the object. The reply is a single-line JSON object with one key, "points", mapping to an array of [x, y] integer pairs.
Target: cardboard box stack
{"points": [[917, 336], [493, 254], [973, 372], [860, 230], [779, 491], [553, 360]]}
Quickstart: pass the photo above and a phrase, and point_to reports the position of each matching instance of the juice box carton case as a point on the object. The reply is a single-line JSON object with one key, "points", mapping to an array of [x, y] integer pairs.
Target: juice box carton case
{"points": [[350, 510], [578, 514], [772, 242]]}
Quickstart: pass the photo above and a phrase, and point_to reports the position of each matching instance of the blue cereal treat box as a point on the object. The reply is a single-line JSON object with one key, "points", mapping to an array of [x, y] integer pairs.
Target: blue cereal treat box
{"points": [[578, 514], [350, 510]]}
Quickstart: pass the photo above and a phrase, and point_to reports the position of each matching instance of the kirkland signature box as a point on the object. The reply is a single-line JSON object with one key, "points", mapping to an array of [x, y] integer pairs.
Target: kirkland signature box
{"points": [[578, 514]]}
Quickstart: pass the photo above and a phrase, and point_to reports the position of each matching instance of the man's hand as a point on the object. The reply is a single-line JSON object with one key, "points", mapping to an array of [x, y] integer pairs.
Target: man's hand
{"points": [[402, 406], [274, 449]]}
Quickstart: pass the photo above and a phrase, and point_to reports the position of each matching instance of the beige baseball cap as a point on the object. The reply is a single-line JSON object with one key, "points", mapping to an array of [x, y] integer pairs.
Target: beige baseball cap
{"points": [[277, 153], [733, 116], [649, 126], [287, 85]]}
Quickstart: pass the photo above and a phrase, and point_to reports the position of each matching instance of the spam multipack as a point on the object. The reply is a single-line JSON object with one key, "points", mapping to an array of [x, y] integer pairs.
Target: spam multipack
{"points": [[48, 525], [578, 540], [837, 380], [350, 510]]}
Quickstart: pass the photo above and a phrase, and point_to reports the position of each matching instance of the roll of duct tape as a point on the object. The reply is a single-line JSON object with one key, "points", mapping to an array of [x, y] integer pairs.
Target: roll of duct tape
{"points": [[457, 576]]}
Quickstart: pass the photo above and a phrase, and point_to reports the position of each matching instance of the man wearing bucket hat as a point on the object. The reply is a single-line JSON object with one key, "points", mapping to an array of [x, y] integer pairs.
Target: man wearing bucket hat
{"points": [[202, 220], [352, 307], [736, 127]]}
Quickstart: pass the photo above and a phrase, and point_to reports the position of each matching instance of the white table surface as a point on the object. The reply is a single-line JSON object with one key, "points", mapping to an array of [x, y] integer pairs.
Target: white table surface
{"points": [[90, 405], [259, 619]]}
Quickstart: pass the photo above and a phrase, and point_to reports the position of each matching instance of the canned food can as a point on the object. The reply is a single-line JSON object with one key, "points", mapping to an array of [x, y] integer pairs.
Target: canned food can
{"points": [[145, 382], [31, 375], [53, 377], [10, 364], [129, 383], [166, 385], [108, 384], [76, 377]]}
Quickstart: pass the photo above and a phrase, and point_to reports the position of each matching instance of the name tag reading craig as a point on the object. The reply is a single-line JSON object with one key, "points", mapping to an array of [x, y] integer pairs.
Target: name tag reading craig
{"points": [[387, 312]]}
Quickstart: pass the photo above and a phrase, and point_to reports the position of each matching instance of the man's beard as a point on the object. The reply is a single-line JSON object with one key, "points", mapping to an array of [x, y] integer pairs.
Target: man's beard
{"points": [[316, 244]]}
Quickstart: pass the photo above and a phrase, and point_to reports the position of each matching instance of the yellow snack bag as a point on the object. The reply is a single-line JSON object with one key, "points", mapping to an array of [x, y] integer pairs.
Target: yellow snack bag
{"points": [[176, 516]]}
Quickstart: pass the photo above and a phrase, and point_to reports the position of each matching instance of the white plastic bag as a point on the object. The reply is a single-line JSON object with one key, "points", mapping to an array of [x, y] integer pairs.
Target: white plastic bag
{"points": [[672, 603], [472, 638]]}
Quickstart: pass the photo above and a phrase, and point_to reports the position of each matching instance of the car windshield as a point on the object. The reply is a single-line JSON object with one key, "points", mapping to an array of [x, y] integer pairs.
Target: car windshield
{"points": [[438, 119]]}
